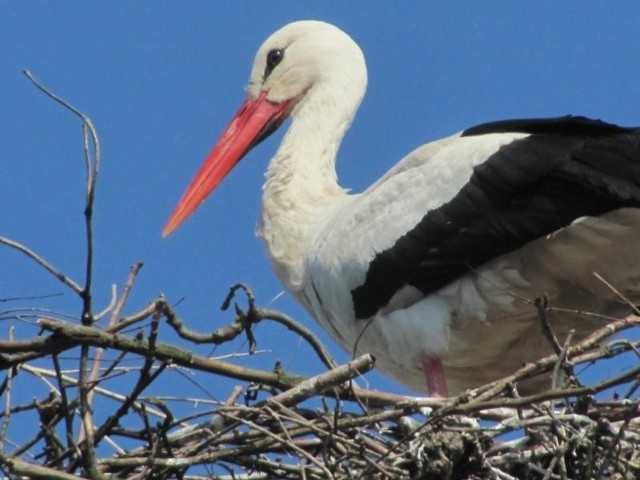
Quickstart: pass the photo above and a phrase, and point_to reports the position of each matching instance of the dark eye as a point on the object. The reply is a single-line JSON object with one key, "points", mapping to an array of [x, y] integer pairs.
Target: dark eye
{"points": [[274, 57]]}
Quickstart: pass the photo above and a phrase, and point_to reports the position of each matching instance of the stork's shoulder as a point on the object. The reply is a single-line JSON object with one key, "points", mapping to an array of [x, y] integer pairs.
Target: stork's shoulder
{"points": [[521, 149], [468, 151], [355, 230], [369, 222], [487, 137]]}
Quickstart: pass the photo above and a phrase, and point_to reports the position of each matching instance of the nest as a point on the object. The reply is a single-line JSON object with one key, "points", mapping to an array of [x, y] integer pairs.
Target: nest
{"points": [[277, 425]]}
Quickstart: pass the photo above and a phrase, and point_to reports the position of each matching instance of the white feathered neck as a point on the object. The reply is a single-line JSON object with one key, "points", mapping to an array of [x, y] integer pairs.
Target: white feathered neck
{"points": [[301, 190]]}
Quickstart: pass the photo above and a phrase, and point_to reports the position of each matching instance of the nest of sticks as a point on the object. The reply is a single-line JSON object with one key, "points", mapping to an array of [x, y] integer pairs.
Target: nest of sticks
{"points": [[277, 425]]}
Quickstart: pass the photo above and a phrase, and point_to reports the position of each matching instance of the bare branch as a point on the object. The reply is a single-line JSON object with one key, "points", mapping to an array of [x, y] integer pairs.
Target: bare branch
{"points": [[43, 263], [92, 162]]}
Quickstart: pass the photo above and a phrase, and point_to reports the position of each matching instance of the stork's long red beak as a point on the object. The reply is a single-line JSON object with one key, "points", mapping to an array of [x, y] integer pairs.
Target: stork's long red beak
{"points": [[255, 120]]}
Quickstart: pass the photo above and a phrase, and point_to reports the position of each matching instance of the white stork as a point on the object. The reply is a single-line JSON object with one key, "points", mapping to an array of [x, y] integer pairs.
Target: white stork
{"points": [[433, 268]]}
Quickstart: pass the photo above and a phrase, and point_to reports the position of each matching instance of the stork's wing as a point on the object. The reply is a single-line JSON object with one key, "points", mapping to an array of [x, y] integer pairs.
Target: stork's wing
{"points": [[520, 180]]}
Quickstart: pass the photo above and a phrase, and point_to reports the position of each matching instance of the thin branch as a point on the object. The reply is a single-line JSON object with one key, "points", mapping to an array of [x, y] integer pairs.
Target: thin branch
{"points": [[8, 384], [66, 411], [562, 363], [631, 305], [300, 330], [87, 446], [78, 334], [90, 139], [43, 263], [321, 383], [29, 470], [30, 297], [541, 307], [112, 303], [113, 320]]}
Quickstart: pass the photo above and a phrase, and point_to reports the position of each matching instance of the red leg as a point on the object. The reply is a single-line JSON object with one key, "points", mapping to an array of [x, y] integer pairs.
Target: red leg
{"points": [[434, 372]]}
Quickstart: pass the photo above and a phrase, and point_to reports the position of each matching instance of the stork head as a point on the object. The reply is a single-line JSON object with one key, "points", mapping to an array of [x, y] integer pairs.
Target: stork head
{"points": [[291, 66]]}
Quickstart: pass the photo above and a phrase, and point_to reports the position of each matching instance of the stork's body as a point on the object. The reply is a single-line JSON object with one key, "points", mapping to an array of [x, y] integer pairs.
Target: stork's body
{"points": [[434, 268]]}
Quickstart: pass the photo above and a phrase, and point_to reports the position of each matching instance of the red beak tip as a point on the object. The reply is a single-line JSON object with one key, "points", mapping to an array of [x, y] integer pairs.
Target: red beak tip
{"points": [[168, 230]]}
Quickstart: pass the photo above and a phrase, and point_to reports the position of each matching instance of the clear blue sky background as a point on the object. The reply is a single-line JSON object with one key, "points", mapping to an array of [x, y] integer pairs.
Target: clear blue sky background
{"points": [[161, 79]]}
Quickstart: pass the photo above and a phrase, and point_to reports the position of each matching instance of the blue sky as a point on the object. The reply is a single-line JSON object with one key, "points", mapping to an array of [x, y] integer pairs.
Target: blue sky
{"points": [[161, 80]]}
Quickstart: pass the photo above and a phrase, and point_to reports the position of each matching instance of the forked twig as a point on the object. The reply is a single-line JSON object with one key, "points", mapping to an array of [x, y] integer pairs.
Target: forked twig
{"points": [[92, 162]]}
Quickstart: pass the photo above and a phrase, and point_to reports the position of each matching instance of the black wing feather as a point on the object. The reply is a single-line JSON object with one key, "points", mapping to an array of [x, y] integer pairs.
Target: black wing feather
{"points": [[567, 168]]}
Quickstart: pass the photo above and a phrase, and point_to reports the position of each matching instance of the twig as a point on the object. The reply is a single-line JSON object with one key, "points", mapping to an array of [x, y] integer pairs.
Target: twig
{"points": [[7, 397], [254, 315], [320, 383], [541, 307], [128, 286], [136, 317], [87, 445], [43, 263], [112, 303], [113, 320], [29, 470], [90, 138], [561, 363], [633, 307], [66, 412], [302, 331], [30, 297]]}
